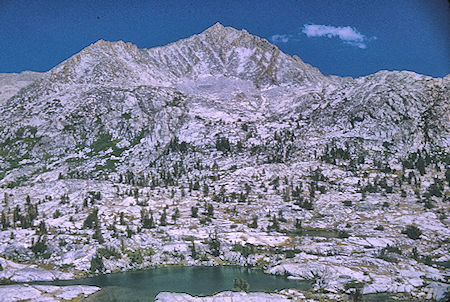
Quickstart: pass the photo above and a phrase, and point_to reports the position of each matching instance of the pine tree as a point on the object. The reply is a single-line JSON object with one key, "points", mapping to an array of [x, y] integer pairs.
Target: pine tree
{"points": [[210, 210], [275, 225], [194, 212], [163, 219], [42, 230], [412, 232], [214, 245], [4, 221], [205, 189], [40, 246], [98, 235], [97, 264], [91, 220], [130, 232], [298, 224], [194, 253], [147, 220], [254, 223], [420, 165], [16, 214], [175, 215]]}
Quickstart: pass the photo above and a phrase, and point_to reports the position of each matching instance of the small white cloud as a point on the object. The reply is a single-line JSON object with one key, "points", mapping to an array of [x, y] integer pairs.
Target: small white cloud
{"points": [[347, 34], [280, 38], [357, 44]]}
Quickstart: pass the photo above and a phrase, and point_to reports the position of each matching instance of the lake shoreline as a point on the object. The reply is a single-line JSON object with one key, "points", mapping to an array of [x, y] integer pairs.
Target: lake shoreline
{"points": [[385, 296], [196, 280]]}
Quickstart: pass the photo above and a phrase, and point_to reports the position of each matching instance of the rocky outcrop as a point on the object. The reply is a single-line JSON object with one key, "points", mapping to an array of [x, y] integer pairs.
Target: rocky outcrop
{"points": [[223, 297], [11, 83], [49, 293]]}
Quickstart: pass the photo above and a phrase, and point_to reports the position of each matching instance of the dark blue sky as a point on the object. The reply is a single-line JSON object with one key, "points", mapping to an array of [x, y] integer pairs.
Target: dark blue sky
{"points": [[347, 37]]}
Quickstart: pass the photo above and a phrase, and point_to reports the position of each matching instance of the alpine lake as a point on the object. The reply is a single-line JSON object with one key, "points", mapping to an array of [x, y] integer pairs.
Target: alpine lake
{"points": [[145, 285]]}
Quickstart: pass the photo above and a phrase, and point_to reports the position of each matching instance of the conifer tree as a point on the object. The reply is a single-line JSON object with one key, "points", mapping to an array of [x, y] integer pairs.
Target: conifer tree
{"points": [[98, 235], [194, 253], [4, 221], [194, 212], [42, 230], [163, 219], [254, 223], [175, 215], [210, 210]]}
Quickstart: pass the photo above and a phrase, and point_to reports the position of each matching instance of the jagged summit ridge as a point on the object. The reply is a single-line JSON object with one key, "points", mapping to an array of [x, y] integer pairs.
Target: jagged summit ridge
{"points": [[229, 52], [218, 51]]}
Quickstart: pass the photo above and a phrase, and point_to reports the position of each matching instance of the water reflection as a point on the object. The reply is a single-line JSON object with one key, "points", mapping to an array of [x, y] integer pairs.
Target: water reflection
{"points": [[145, 285]]}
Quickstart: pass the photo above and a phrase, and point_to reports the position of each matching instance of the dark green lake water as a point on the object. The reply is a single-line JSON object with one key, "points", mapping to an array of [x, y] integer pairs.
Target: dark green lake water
{"points": [[145, 285]]}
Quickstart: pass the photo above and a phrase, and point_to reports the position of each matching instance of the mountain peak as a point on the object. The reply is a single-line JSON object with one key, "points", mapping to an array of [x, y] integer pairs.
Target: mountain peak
{"points": [[220, 34], [227, 51], [218, 51], [104, 45], [216, 27], [233, 37], [220, 29]]}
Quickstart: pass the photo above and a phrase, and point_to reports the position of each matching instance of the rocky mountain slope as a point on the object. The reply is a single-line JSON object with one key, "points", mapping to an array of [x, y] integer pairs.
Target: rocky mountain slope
{"points": [[288, 165], [11, 83]]}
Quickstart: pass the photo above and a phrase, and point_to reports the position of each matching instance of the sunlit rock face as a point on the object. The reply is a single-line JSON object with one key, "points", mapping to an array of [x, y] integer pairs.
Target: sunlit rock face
{"points": [[11, 83], [224, 296]]}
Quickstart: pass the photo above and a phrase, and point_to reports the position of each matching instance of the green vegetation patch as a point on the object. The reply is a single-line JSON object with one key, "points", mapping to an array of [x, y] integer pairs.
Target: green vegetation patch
{"points": [[103, 142]]}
